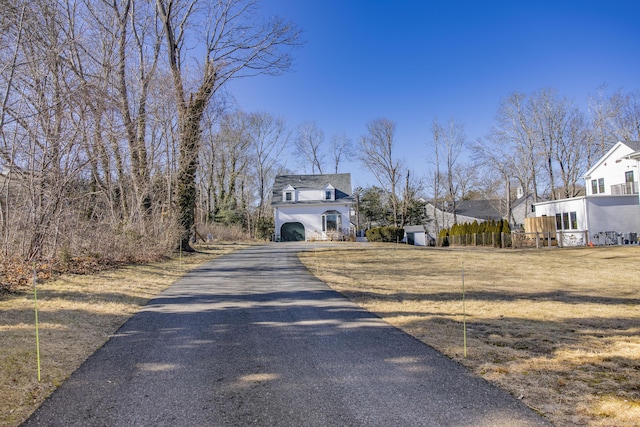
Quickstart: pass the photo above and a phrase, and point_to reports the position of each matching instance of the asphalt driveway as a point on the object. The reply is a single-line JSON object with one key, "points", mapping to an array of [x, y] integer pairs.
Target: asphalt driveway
{"points": [[252, 339]]}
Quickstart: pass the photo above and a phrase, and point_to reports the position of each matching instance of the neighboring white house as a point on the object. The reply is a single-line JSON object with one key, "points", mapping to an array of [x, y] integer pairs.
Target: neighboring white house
{"points": [[611, 207], [312, 207]]}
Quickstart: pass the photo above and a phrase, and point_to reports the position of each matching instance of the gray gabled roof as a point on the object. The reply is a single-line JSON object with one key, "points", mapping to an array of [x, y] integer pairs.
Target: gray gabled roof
{"points": [[481, 209], [414, 229], [340, 181], [634, 145]]}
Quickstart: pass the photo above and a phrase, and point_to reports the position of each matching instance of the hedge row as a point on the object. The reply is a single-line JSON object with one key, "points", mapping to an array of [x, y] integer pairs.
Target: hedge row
{"points": [[385, 234], [476, 228]]}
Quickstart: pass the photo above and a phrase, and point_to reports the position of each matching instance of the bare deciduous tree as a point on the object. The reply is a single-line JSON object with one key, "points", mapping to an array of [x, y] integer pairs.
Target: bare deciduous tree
{"points": [[539, 138], [436, 180], [234, 46], [570, 152], [413, 207], [309, 143], [561, 138], [91, 143], [377, 153], [341, 149], [602, 114], [225, 168], [626, 123], [145, 40], [492, 153], [546, 116], [514, 128], [450, 141], [40, 135], [268, 141], [613, 118]]}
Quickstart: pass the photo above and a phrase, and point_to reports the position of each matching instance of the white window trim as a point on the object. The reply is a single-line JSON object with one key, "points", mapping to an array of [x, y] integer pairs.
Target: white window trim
{"points": [[329, 188], [566, 224], [289, 190], [338, 221]]}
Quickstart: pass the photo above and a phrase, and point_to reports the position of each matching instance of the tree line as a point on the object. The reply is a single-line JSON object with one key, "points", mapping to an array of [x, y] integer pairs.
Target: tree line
{"points": [[540, 144], [115, 120], [543, 142]]}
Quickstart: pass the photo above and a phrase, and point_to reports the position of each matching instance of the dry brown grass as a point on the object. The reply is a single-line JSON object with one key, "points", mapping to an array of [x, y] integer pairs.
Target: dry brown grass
{"points": [[77, 314], [559, 329]]}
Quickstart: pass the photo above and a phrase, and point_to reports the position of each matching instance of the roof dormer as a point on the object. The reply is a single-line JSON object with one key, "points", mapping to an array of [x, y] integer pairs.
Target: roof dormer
{"points": [[289, 194], [328, 192]]}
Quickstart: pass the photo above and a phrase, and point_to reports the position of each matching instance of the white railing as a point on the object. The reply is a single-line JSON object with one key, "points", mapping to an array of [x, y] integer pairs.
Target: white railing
{"points": [[626, 188], [549, 239]]}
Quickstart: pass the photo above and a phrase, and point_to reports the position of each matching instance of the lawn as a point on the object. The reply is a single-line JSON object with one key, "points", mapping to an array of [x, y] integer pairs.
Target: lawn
{"points": [[557, 328], [77, 314]]}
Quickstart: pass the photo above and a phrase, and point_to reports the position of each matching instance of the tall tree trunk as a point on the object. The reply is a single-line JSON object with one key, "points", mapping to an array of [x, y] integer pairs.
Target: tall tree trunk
{"points": [[187, 168], [232, 48], [190, 115]]}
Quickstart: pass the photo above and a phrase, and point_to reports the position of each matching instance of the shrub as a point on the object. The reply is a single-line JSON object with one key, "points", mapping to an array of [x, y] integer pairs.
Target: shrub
{"points": [[373, 235], [385, 234], [265, 228], [443, 237], [223, 233]]}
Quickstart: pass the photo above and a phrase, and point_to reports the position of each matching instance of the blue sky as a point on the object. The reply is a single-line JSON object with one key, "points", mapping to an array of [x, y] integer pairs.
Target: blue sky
{"points": [[412, 61]]}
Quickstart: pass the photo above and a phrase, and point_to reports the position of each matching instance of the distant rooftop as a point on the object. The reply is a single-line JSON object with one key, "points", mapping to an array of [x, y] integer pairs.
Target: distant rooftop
{"points": [[481, 209]]}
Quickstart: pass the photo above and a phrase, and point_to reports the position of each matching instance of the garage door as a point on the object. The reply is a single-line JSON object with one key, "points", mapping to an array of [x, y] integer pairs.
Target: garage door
{"points": [[292, 232]]}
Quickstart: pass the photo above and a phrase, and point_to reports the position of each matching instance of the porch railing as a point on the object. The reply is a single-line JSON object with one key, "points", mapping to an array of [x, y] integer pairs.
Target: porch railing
{"points": [[626, 188]]}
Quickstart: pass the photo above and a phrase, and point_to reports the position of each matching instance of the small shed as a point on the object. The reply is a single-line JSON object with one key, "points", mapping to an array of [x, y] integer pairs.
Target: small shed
{"points": [[415, 235]]}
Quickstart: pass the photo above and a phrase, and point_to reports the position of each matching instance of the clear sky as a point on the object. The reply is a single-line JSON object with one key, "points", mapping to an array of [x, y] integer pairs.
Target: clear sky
{"points": [[412, 61]]}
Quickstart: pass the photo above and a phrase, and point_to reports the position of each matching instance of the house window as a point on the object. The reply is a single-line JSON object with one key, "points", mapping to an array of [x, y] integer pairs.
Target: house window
{"points": [[331, 221], [574, 220], [288, 196], [597, 186], [328, 195], [567, 221], [628, 176]]}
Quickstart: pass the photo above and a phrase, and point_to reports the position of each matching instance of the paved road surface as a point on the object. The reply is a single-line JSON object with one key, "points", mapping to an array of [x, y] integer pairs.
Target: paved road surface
{"points": [[252, 339]]}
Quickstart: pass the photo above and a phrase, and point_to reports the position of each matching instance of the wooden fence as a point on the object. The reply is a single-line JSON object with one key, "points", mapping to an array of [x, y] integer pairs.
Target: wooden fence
{"points": [[540, 224], [492, 240], [540, 232], [517, 240]]}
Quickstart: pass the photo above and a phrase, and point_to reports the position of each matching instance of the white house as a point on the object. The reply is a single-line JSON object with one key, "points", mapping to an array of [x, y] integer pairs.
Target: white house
{"points": [[611, 208], [312, 207]]}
